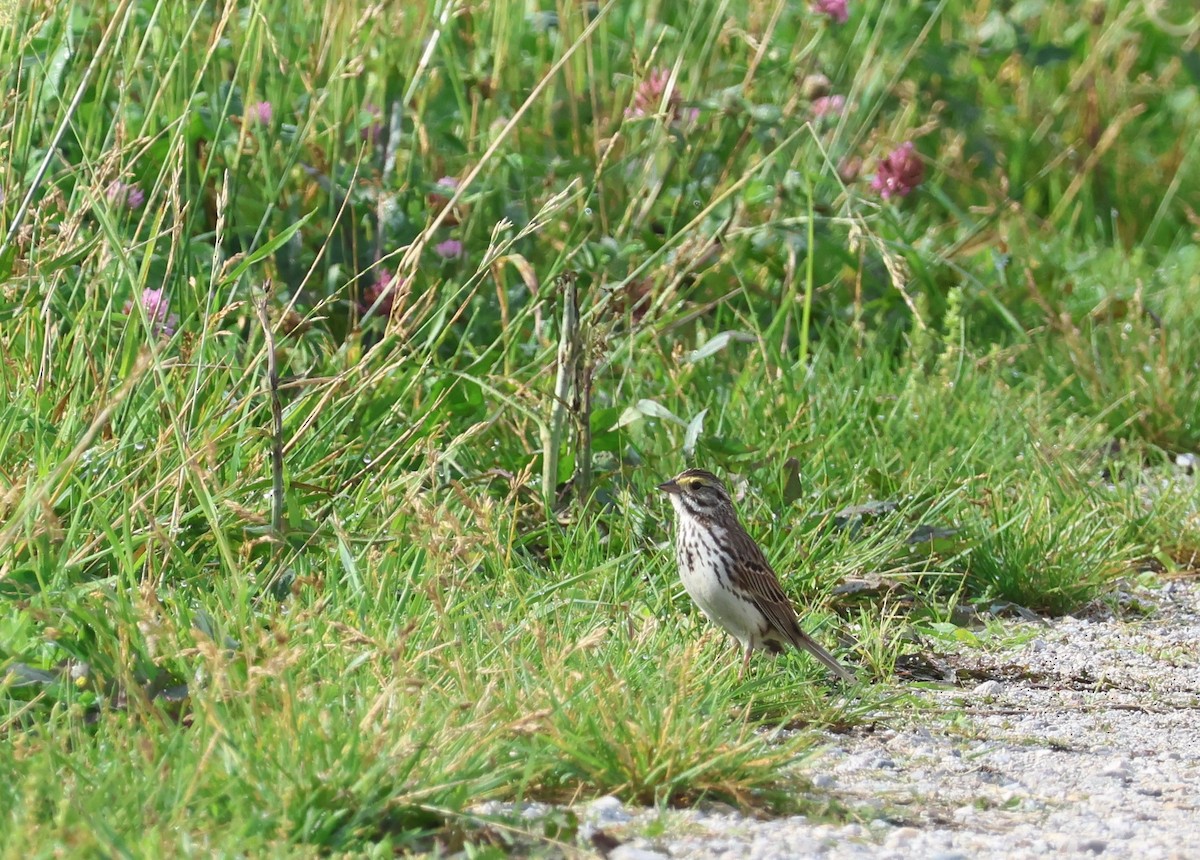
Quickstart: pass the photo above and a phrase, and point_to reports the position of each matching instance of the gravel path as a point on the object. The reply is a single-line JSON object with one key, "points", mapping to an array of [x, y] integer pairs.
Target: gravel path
{"points": [[1084, 742]]}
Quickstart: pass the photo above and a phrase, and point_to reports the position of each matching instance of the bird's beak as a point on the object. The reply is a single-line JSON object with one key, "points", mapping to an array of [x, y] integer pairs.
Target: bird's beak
{"points": [[670, 487]]}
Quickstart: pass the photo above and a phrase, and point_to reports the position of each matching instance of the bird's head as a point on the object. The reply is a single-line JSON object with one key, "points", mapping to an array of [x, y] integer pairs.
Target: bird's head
{"points": [[698, 493]]}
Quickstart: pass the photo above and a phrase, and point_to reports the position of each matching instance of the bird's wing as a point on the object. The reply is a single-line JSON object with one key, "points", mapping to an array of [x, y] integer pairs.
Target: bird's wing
{"points": [[762, 587], [764, 590]]}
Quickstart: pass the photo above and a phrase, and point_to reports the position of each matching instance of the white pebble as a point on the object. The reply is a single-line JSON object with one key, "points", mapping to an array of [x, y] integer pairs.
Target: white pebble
{"points": [[989, 688]]}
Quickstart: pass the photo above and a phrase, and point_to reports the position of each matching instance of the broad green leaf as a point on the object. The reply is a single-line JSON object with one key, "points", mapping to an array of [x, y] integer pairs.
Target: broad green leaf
{"points": [[793, 488], [694, 429], [647, 409], [716, 343]]}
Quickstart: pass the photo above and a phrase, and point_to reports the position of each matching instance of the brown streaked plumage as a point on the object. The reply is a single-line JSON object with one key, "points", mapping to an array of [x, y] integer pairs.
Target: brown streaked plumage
{"points": [[727, 575]]}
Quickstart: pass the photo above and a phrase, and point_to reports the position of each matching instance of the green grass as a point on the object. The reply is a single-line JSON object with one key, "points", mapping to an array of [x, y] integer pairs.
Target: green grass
{"points": [[993, 374]]}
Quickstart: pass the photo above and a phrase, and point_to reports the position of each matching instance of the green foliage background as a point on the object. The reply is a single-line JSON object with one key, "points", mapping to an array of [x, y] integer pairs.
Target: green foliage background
{"points": [[983, 384]]}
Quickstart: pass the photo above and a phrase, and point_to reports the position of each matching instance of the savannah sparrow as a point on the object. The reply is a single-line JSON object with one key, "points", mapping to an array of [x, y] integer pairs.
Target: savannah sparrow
{"points": [[728, 576]]}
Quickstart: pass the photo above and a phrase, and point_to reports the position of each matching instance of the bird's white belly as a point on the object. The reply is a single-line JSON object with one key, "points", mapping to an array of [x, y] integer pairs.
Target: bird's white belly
{"points": [[724, 608]]}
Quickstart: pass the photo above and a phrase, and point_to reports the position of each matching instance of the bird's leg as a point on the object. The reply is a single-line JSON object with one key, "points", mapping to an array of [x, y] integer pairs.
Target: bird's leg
{"points": [[745, 662]]}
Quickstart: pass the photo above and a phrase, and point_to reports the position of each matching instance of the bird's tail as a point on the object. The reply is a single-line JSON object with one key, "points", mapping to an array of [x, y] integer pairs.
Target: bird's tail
{"points": [[802, 640]]}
